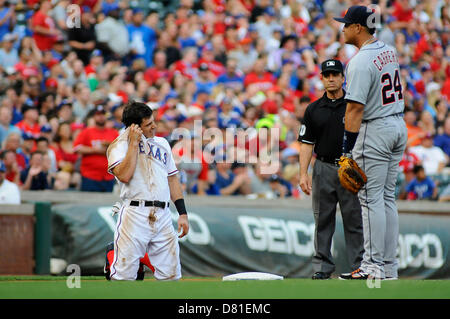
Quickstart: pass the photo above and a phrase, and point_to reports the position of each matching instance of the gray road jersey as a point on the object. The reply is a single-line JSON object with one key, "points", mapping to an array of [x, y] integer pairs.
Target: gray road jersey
{"points": [[373, 79]]}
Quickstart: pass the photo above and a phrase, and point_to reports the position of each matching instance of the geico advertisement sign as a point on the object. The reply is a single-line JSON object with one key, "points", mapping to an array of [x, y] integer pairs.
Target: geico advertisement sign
{"points": [[295, 237], [416, 251], [277, 235]]}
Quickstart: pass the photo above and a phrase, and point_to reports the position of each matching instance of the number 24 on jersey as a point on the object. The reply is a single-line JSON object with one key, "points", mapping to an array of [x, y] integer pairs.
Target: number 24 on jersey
{"points": [[391, 90]]}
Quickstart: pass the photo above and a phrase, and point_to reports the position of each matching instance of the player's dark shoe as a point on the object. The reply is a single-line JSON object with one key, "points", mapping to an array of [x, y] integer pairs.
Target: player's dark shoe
{"points": [[391, 278], [320, 276], [109, 255], [141, 272], [357, 274]]}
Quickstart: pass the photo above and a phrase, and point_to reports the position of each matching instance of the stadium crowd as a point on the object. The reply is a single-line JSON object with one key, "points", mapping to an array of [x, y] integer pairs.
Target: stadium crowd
{"points": [[235, 65]]}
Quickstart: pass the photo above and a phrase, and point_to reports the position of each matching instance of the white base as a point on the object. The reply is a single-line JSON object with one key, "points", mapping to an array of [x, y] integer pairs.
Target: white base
{"points": [[252, 276]]}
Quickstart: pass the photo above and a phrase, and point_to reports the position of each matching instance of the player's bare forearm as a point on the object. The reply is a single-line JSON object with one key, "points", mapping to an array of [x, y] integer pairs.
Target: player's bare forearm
{"points": [[353, 116], [176, 191], [125, 170], [305, 157]]}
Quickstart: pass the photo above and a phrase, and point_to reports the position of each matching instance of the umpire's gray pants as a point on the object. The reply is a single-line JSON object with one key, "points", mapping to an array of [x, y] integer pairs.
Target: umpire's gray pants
{"points": [[378, 151], [326, 193]]}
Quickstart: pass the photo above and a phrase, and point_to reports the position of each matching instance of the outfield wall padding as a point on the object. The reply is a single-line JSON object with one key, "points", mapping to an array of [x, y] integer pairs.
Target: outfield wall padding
{"points": [[266, 236]]}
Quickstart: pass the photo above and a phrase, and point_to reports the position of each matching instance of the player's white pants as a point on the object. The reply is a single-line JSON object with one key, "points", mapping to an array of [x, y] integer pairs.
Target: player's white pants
{"points": [[135, 235], [378, 151]]}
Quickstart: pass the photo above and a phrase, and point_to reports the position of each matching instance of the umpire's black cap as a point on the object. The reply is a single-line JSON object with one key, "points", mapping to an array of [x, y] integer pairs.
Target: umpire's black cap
{"points": [[357, 14], [332, 65]]}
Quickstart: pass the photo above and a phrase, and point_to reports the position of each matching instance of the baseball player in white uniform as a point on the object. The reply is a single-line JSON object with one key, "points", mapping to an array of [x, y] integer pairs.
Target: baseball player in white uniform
{"points": [[375, 136], [144, 167]]}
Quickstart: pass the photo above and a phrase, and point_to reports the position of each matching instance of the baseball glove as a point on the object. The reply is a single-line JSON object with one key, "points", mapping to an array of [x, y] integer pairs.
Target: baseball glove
{"points": [[351, 176]]}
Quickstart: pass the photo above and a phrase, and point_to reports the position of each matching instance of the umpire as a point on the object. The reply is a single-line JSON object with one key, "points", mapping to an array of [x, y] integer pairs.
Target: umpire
{"points": [[322, 131]]}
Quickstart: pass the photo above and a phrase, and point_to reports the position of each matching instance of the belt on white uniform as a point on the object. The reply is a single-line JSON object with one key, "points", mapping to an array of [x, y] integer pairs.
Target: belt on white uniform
{"points": [[382, 117], [149, 203]]}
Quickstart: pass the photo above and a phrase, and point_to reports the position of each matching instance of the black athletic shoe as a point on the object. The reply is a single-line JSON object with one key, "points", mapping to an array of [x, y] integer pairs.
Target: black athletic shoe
{"points": [[106, 269], [141, 272], [320, 276], [357, 274]]}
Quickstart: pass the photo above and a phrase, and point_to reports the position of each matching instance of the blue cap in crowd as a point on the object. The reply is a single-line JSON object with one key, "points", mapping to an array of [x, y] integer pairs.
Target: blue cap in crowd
{"points": [[27, 136], [63, 103], [2, 167], [318, 17], [107, 8], [202, 90], [172, 95], [46, 128], [86, 9], [269, 11], [115, 107], [96, 52], [137, 10]]}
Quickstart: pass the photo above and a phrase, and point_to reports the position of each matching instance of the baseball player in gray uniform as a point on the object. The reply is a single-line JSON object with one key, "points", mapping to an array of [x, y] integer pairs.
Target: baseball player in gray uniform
{"points": [[375, 136]]}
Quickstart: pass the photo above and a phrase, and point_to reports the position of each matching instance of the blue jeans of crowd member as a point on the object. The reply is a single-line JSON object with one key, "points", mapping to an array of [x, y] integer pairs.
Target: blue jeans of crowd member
{"points": [[90, 185]]}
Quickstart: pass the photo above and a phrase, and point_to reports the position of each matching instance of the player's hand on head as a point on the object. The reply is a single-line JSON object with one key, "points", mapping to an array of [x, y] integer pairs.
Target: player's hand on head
{"points": [[135, 133]]}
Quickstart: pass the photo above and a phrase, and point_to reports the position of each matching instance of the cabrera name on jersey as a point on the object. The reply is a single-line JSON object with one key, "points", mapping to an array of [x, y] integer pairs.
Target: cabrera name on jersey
{"points": [[373, 79]]}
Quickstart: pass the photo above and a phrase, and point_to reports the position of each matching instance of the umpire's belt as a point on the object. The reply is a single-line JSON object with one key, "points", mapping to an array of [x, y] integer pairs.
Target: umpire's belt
{"points": [[149, 203], [329, 160], [376, 118]]}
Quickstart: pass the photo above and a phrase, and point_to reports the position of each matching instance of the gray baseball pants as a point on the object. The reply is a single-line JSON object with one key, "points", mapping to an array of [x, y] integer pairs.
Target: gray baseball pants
{"points": [[326, 193], [378, 151]]}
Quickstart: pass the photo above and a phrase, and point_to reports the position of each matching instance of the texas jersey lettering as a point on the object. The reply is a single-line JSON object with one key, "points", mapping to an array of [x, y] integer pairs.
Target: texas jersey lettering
{"points": [[155, 163], [153, 151]]}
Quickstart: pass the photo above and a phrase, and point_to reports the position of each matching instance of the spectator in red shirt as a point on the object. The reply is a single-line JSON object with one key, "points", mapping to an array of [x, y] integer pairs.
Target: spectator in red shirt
{"points": [[215, 67], [12, 168], [13, 143], [26, 66], [403, 12], [117, 87], [409, 160], [259, 77], [187, 65], [219, 26], [446, 89], [93, 5], [44, 28], [62, 144], [29, 124], [158, 72], [92, 144]]}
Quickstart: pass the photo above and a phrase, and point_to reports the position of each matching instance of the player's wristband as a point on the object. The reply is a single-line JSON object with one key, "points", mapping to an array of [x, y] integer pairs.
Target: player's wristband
{"points": [[349, 141], [181, 208]]}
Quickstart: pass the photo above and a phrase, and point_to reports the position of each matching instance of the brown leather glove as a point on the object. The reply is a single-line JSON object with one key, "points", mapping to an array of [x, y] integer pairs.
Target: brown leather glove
{"points": [[351, 176]]}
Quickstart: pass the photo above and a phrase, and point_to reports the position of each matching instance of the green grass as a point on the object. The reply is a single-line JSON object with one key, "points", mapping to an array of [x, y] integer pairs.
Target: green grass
{"points": [[43, 287]]}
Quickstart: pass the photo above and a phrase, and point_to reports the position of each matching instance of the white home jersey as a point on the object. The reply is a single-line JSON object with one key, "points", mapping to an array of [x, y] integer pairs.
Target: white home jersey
{"points": [[373, 79], [155, 163]]}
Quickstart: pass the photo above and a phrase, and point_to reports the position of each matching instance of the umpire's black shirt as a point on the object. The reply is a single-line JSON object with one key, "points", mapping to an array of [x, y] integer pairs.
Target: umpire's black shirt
{"points": [[323, 126]]}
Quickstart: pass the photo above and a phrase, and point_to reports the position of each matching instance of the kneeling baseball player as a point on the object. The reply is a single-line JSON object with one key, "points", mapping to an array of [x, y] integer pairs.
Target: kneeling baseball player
{"points": [[144, 167]]}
